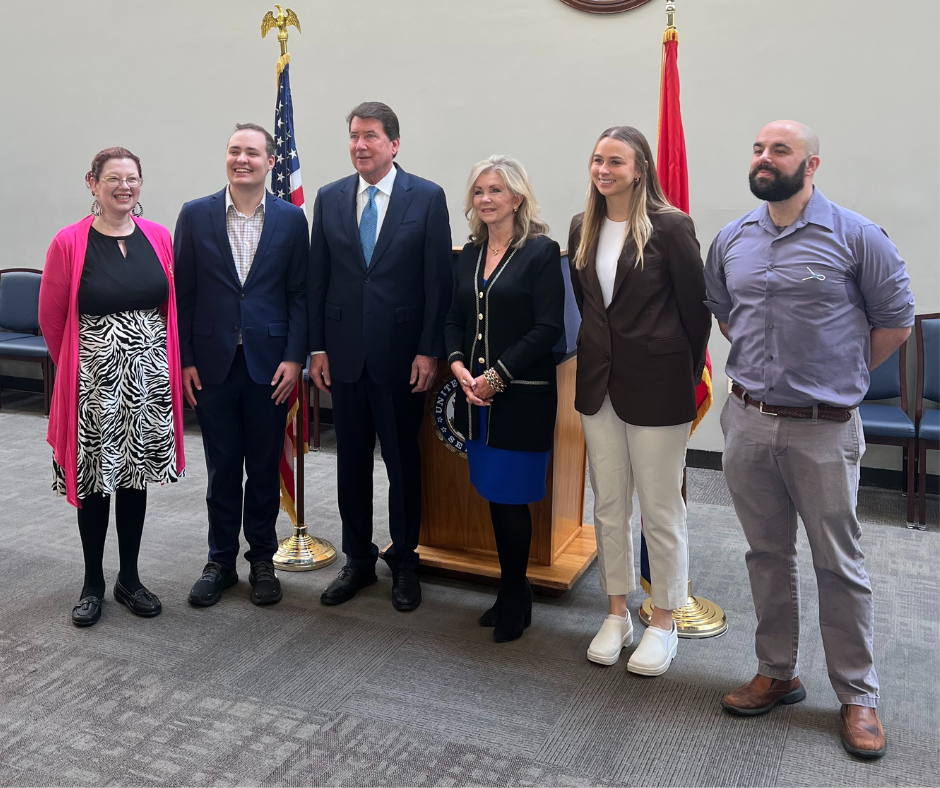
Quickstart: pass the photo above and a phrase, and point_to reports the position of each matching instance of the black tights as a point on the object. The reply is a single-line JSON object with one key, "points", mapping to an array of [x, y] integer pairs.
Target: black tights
{"points": [[129, 508], [512, 525]]}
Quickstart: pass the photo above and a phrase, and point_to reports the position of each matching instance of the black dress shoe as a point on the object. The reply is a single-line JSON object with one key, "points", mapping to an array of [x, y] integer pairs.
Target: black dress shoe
{"points": [[87, 611], [406, 589], [140, 603], [347, 584], [516, 614], [265, 587], [208, 588]]}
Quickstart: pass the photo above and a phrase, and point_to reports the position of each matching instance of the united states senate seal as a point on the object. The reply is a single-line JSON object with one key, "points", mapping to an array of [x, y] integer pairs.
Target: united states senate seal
{"points": [[442, 407]]}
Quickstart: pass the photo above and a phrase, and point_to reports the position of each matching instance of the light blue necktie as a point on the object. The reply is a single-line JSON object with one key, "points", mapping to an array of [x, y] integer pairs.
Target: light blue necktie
{"points": [[367, 226]]}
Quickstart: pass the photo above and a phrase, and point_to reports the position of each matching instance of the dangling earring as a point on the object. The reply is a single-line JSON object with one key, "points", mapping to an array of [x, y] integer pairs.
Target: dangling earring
{"points": [[137, 210], [516, 209], [96, 208]]}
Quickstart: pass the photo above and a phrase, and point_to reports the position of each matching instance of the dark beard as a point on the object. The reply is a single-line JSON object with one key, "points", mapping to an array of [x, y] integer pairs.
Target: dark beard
{"points": [[782, 187]]}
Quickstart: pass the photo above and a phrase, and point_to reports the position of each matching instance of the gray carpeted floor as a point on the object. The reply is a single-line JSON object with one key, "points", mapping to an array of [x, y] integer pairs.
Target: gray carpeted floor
{"points": [[300, 694]]}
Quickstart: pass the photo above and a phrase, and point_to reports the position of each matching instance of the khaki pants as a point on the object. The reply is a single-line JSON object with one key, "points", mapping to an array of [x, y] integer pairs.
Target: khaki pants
{"points": [[777, 468], [622, 456]]}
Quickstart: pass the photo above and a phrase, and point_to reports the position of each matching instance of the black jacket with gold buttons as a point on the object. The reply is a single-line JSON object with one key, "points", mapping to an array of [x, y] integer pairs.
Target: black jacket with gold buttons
{"points": [[511, 324]]}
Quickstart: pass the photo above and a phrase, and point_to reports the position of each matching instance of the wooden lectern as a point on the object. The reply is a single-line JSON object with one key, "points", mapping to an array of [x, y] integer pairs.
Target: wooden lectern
{"points": [[456, 531]]}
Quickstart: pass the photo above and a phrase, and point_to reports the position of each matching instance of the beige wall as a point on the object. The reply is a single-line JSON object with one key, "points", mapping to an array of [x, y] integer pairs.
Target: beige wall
{"points": [[531, 78]]}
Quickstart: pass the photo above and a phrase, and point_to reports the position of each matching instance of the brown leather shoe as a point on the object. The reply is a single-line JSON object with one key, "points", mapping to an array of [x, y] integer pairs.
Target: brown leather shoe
{"points": [[862, 734], [761, 694]]}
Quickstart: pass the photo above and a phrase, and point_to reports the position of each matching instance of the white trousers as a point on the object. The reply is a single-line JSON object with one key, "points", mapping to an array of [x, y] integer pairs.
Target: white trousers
{"points": [[622, 457]]}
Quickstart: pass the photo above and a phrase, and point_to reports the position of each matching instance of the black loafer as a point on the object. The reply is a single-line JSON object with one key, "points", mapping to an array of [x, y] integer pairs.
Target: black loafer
{"points": [[87, 611], [141, 603], [349, 581], [406, 590], [265, 587], [208, 588]]}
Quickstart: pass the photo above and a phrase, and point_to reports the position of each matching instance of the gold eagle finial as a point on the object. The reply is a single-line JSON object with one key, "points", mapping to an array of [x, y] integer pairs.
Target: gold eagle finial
{"points": [[281, 21]]}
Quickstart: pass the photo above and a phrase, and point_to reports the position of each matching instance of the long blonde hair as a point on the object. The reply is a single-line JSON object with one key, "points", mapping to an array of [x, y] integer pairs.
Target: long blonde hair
{"points": [[527, 222], [648, 198]]}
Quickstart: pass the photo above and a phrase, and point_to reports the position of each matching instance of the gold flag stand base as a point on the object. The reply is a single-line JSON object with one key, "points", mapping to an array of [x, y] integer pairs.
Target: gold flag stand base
{"points": [[700, 618], [302, 552]]}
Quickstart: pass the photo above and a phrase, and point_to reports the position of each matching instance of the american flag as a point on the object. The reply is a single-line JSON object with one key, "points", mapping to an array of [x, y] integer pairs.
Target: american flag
{"points": [[285, 177], [286, 184]]}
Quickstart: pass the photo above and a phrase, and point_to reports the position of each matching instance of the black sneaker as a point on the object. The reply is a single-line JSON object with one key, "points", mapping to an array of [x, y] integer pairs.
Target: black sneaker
{"points": [[208, 588], [265, 587]]}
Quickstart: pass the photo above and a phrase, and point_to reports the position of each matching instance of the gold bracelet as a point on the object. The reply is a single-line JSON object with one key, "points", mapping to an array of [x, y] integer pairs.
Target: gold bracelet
{"points": [[496, 383]]}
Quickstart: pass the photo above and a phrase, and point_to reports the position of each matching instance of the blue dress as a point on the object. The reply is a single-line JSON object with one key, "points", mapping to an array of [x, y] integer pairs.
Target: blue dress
{"points": [[503, 475]]}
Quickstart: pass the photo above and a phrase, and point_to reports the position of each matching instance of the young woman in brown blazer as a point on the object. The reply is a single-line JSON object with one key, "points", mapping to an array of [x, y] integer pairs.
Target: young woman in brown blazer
{"points": [[637, 275]]}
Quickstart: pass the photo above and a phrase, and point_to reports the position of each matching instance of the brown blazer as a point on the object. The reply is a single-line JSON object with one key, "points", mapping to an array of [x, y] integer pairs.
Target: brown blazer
{"points": [[647, 349]]}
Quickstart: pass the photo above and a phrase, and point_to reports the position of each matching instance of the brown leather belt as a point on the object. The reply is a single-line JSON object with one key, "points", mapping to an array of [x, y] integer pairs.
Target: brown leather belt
{"points": [[825, 412]]}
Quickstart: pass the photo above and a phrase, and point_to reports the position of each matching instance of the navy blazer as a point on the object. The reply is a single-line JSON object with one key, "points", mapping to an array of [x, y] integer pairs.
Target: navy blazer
{"points": [[269, 310], [382, 316]]}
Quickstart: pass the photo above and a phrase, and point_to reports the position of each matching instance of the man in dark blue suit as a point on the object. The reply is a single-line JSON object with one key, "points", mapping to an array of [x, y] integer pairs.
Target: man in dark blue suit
{"points": [[241, 274], [380, 286]]}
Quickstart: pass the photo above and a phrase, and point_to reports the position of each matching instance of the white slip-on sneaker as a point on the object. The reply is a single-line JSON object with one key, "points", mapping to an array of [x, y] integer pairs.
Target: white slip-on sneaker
{"points": [[656, 651], [615, 633]]}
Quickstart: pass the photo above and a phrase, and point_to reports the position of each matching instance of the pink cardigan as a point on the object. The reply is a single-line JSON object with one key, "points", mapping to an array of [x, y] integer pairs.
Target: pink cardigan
{"points": [[58, 318]]}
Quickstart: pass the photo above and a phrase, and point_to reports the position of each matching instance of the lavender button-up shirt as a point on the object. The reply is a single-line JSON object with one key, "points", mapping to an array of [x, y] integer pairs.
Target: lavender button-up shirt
{"points": [[800, 303]]}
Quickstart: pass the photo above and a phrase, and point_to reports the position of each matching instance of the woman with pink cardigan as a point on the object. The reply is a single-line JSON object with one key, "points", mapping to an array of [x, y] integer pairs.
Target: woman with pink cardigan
{"points": [[108, 314]]}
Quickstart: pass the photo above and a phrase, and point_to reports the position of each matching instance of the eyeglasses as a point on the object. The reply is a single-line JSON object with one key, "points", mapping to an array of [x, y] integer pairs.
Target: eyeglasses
{"points": [[113, 181]]}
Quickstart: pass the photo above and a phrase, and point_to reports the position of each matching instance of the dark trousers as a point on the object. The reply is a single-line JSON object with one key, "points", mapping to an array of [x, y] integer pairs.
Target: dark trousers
{"points": [[360, 411], [242, 429]]}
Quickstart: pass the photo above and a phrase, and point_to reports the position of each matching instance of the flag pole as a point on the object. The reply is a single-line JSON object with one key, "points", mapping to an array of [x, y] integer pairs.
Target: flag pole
{"points": [[699, 617], [300, 552]]}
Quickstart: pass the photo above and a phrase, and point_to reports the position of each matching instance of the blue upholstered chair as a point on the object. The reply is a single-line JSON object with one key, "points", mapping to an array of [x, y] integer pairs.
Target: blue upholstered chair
{"points": [[20, 338], [927, 422], [890, 424]]}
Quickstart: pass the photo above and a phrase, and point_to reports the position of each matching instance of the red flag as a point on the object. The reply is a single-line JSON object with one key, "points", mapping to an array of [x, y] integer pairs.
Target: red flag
{"points": [[672, 166], [671, 161]]}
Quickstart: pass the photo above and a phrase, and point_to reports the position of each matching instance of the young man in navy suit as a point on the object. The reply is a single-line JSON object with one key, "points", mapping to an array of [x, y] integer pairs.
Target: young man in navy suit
{"points": [[241, 274], [379, 289]]}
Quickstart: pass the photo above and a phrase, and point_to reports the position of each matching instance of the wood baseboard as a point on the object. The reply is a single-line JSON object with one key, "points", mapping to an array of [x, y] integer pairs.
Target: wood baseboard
{"points": [[479, 567]]}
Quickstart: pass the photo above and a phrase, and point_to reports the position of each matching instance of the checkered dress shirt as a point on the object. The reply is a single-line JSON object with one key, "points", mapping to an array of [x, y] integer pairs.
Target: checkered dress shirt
{"points": [[244, 233]]}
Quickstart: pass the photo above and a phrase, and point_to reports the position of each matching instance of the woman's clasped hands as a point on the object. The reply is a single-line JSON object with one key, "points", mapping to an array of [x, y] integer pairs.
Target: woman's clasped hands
{"points": [[478, 390]]}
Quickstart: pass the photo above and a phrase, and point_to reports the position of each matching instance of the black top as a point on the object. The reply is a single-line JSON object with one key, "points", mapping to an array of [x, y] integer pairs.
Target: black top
{"points": [[512, 328], [114, 283]]}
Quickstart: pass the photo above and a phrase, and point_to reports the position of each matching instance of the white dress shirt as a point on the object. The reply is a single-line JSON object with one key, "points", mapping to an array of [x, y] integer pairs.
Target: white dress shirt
{"points": [[609, 245], [382, 196]]}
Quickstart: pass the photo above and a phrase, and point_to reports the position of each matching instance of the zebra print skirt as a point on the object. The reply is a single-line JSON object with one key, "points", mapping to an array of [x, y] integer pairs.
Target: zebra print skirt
{"points": [[125, 414]]}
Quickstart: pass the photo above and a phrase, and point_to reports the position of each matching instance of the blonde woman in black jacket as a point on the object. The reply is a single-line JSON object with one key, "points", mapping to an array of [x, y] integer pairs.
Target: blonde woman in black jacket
{"points": [[506, 316]]}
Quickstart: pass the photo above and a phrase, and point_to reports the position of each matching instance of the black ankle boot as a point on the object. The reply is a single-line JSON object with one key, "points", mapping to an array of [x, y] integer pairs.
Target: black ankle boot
{"points": [[491, 616], [516, 614]]}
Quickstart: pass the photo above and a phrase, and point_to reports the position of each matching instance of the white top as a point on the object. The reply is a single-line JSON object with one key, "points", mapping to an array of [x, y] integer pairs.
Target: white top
{"points": [[382, 196], [609, 246]]}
